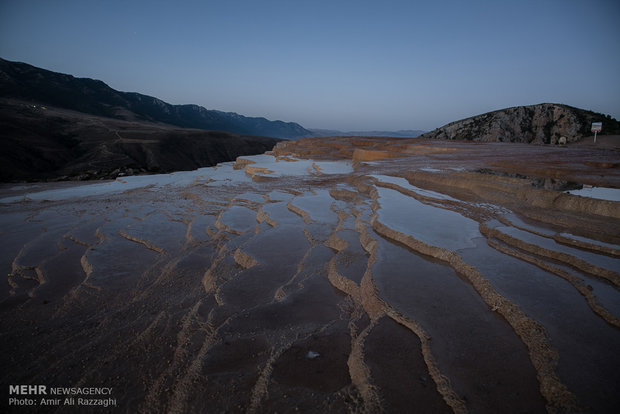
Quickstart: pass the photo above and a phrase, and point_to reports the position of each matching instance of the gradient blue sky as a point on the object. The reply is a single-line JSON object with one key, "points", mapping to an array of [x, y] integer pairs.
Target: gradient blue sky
{"points": [[349, 65]]}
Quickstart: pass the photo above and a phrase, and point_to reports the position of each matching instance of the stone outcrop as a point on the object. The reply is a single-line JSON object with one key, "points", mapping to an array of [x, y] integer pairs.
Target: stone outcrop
{"points": [[544, 123]]}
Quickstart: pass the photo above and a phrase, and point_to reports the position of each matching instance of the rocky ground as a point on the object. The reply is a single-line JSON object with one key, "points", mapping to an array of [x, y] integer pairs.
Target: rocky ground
{"points": [[331, 275]]}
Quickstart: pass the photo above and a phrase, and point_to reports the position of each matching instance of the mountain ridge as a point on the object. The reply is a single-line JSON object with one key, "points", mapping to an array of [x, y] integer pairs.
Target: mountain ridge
{"points": [[26, 82]]}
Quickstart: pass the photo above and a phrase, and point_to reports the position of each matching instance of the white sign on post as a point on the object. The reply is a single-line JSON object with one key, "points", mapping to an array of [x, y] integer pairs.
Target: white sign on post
{"points": [[596, 127]]}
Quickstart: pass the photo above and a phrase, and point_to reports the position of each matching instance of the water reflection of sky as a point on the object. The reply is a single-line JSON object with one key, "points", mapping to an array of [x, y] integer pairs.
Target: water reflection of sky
{"points": [[222, 174], [432, 225], [603, 193], [297, 167], [402, 182]]}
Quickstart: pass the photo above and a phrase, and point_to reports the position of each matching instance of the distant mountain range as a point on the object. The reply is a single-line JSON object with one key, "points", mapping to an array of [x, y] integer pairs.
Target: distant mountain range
{"points": [[29, 83], [55, 126], [544, 123], [408, 133]]}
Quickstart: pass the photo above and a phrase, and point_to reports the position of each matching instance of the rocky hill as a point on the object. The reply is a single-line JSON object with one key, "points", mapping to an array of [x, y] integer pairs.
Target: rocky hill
{"points": [[540, 124], [26, 82]]}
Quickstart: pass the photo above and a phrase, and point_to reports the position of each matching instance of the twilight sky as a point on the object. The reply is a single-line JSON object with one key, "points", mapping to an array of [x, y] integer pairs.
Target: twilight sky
{"points": [[348, 65]]}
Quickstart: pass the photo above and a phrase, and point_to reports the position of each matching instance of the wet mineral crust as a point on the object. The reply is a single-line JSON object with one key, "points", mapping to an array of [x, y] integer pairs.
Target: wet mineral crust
{"points": [[330, 275]]}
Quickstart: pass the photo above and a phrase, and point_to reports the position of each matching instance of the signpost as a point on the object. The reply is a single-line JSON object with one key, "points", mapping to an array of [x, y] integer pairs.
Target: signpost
{"points": [[596, 127]]}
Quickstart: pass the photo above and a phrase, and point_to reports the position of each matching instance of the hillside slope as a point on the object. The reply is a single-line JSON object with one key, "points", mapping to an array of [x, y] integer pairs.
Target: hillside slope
{"points": [[26, 82], [540, 124], [44, 142]]}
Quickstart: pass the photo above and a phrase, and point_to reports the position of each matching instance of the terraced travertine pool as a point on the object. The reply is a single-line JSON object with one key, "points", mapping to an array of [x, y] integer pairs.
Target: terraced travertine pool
{"points": [[408, 284]]}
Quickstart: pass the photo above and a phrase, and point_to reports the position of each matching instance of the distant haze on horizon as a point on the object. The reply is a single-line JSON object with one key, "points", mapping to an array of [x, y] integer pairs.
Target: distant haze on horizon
{"points": [[346, 65]]}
